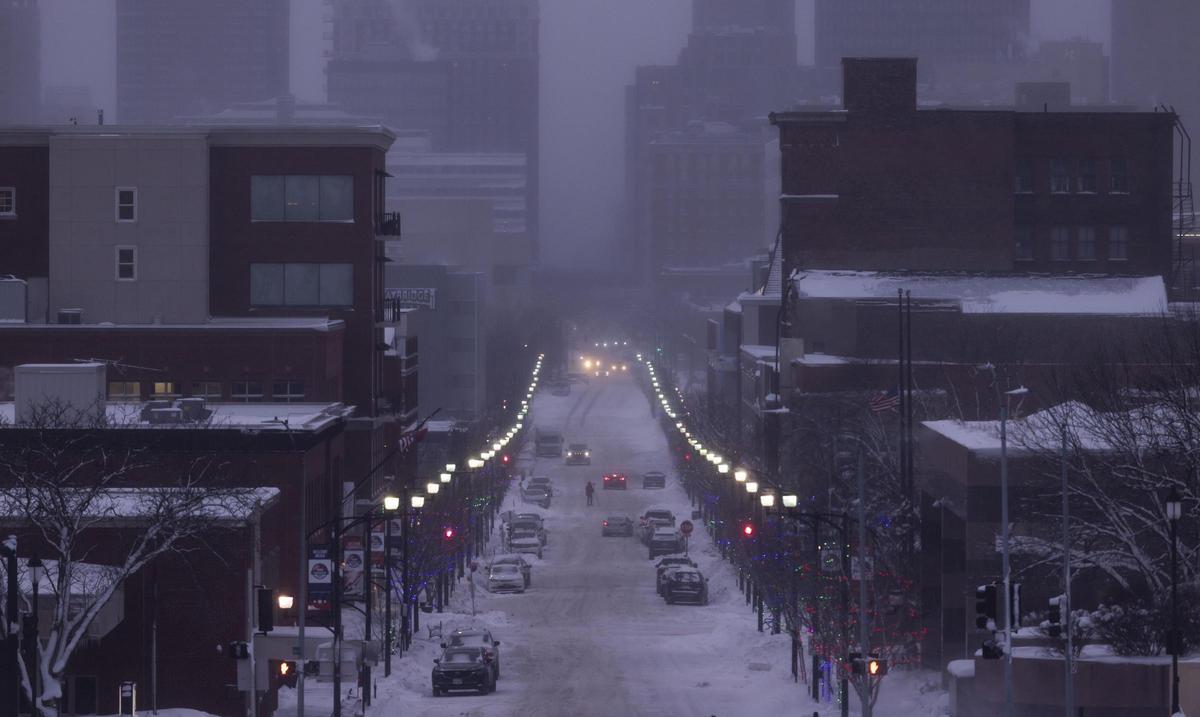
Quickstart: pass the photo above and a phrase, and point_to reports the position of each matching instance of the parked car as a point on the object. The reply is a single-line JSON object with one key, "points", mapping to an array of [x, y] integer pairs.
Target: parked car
{"points": [[477, 637], [540, 482], [536, 517], [578, 454], [537, 496], [614, 481], [463, 668], [521, 524], [654, 479], [513, 559], [685, 585], [666, 563], [505, 578], [663, 541], [525, 541], [616, 525], [652, 525], [660, 513]]}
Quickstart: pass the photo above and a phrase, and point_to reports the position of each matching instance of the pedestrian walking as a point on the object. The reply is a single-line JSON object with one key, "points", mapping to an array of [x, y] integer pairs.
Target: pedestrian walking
{"points": [[590, 490]]}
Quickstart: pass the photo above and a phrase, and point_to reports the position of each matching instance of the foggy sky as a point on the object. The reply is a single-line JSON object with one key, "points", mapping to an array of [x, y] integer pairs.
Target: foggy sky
{"points": [[589, 50]]}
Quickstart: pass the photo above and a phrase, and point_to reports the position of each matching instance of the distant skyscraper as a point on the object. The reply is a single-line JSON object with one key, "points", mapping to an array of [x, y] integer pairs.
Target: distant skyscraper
{"points": [[20, 62], [934, 31], [183, 57], [466, 71]]}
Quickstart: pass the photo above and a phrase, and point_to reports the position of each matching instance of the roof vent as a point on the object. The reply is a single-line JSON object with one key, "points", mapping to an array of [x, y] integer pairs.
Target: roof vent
{"points": [[162, 416], [149, 406], [193, 409], [70, 316]]}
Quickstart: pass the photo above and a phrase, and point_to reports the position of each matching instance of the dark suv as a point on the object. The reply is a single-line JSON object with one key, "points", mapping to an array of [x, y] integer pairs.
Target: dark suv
{"points": [[686, 585], [463, 668]]}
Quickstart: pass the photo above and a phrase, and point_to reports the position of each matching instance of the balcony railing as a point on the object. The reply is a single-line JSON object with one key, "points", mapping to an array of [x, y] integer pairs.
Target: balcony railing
{"points": [[388, 224]]}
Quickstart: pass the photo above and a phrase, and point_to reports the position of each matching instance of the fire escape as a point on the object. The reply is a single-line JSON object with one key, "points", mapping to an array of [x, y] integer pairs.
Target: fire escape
{"points": [[1185, 280]]}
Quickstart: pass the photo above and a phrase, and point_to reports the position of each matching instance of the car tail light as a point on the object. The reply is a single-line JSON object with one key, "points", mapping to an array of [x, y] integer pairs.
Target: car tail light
{"points": [[606, 523]]}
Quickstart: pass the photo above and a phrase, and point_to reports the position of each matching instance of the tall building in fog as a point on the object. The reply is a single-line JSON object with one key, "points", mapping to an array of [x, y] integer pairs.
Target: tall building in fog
{"points": [[940, 33], [466, 71], [1154, 56], [696, 133], [182, 57], [20, 62]]}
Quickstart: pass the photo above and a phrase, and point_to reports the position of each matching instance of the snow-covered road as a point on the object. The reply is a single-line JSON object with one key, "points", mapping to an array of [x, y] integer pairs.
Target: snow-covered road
{"points": [[592, 637]]}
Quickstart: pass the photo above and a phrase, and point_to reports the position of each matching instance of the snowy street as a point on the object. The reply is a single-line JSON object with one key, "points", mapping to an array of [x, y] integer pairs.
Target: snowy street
{"points": [[591, 636]]}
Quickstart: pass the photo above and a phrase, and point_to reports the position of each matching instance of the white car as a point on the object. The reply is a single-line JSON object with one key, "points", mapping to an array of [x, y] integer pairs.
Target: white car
{"points": [[525, 541], [505, 578]]}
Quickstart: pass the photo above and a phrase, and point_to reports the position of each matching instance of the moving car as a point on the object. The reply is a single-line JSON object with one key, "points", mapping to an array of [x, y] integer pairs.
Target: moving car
{"points": [[525, 541], [654, 479], [505, 578], [463, 668], [616, 525], [541, 482], [667, 563], [685, 585], [614, 481], [520, 563], [663, 541], [579, 455], [537, 496], [548, 442]]}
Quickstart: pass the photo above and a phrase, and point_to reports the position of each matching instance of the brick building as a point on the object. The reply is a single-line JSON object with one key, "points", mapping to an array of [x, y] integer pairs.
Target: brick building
{"points": [[880, 184], [231, 263]]}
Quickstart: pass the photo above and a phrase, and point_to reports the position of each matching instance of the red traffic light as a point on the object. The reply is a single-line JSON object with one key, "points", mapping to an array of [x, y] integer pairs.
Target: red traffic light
{"points": [[448, 533], [606, 523], [748, 530], [504, 459]]}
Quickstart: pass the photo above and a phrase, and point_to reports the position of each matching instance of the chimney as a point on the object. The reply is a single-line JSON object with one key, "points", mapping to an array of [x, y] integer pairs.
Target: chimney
{"points": [[879, 85]]}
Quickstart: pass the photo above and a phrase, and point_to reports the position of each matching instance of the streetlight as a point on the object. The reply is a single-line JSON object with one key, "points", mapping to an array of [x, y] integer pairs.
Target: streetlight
{"points": [[474, 463], [740, 475], [723, 468], [790, 500], [767, 500], [433, 488], [451, 467], [286, 602], [36, 572], [417, 501], [752, 487], [1174, 513], [445, 477]]}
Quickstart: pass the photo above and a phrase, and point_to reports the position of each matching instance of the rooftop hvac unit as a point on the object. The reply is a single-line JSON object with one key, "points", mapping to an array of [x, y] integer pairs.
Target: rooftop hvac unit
{"points": [[162, 416], [44, 390], [149, 406], [70, 316], [193, 409]]}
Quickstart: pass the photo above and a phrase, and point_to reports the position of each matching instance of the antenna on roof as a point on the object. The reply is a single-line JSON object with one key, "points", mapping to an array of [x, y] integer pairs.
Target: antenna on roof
{"points": [[118, 365]]}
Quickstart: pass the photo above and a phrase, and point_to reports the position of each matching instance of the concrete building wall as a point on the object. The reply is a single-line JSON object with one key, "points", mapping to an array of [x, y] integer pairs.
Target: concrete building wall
{"points": [[169, 231]]}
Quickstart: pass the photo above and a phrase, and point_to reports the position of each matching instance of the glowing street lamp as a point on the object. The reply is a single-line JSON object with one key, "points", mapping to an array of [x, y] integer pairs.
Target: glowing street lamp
{"points": [[767, 500], [433, 488], [391, 503], [751, 487], [723, 468], [790, 500], [417, 501], [450, 467], [474, 463], [445, 477]]}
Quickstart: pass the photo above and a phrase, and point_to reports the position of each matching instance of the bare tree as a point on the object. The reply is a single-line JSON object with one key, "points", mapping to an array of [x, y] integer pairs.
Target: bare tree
{"points": [[65, 476]]}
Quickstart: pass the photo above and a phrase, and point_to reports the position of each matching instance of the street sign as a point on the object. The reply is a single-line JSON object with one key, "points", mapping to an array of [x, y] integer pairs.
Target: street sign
{"points": [[686, 527]]}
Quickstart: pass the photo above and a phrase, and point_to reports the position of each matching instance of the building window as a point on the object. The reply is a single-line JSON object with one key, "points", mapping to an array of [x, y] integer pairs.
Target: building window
{"points": [[1024, 244], [1085, 244], [127, 263], [208, 390], [8, 202], [1060, 244], [287, 391], [1024, 176], [301, 198], [1118, 244], [1118, 175], [127, 204], [124, 391], [247, 392], [1060, 177], [301, 284], [1087, 176], [163, 389]]}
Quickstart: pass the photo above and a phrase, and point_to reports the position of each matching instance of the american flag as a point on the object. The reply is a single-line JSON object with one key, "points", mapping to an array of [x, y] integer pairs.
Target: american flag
{"points": [[888, 400], [410, 439]]}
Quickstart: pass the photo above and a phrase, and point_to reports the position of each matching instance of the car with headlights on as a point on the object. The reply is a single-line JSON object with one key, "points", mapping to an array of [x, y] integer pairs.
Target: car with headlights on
{"points": [[616, 525], [505, 578], [515, 560], [614, 481], [685, 585], [463, 668], [578, 454]]}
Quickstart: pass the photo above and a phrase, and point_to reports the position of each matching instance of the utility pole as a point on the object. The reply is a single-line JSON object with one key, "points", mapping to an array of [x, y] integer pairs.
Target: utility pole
{"points": [[11, 692], [864, 639], [1006, 602], [1069, 681]]}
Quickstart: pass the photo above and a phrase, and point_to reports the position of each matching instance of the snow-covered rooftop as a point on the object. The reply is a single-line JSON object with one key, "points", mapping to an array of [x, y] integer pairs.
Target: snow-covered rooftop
{"points": [[241, 416], [977, 294]]}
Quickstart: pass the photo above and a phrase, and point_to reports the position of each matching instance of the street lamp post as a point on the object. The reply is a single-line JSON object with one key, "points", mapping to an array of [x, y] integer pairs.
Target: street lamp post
{"points": [[10, 700], [36, 572], [1174, 513]]}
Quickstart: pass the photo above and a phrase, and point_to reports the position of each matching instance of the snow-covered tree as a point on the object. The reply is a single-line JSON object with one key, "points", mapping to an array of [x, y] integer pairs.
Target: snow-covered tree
{"points": [[65, 476]]}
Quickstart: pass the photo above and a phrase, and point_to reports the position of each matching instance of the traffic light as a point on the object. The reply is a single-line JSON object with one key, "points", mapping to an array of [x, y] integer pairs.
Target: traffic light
{"points": [[266, 610], [872, 666], [985, 607], [1058, 608], [505, 459], [747, 529], [448, 532], [286, 673], [876, 667]]}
